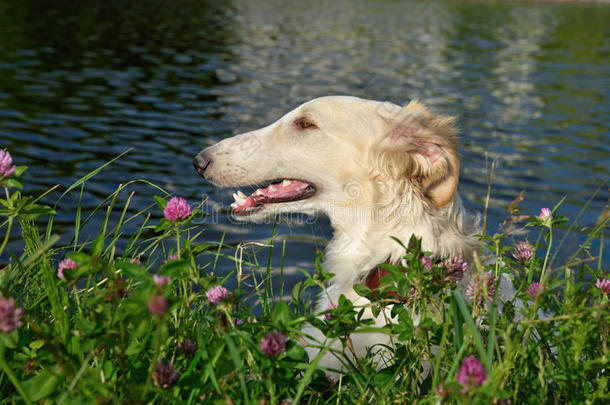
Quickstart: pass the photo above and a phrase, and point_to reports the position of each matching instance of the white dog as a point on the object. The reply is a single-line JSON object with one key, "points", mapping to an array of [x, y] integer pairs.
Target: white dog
{"points": [[375, 169]]}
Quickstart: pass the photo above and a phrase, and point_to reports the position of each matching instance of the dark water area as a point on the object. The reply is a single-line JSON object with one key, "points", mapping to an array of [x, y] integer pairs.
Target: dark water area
{"points": [[81, 82]]}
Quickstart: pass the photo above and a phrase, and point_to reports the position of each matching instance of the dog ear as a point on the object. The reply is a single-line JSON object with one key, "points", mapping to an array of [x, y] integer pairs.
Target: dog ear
{"points": [[423, 147]]}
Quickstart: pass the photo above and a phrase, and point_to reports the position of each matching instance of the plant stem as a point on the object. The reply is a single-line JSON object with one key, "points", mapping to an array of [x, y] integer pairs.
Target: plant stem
{"points": [[8, 233], [601, 252], [530, 273], [487, 197], [157, 343], [77, 299], [546, 258], [178, 240], [351, 348]]}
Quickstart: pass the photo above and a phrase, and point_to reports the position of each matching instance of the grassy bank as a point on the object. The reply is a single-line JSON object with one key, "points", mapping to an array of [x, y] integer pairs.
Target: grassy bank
{"points": [[152, 322]]}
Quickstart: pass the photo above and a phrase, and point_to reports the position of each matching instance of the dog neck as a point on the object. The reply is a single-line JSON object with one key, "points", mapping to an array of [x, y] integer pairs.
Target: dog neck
{"points": [[373, 280], [361, 244]]}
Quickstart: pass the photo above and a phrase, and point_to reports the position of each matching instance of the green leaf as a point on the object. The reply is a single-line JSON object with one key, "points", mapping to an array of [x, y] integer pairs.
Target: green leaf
{"points": [[426, 323], [5, 279], [315, 322], [134, 271], [143, 328], [108, 369], [363, 291], [10, 340], [163, 225], [11, 182], [556, 207], [36, 344], [98, 245], [79, 257], [476, 336], [174, 268], [81, 271], [85, 325], [161, 202], [19, 170], [42, 385], [280, 315], [33, 211], [296, 291], [399, 242], [405, 327], [235, 356], [457, 324], [376, 309], [385, 376], [134, 347], [297, 352], [195, 251]]}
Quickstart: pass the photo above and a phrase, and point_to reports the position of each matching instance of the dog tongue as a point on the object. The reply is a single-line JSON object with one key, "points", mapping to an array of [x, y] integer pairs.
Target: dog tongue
{"points": [[284, 191]]}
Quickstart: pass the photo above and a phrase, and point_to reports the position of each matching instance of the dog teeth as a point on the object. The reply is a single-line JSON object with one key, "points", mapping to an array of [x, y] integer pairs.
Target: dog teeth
{"points": [[271, 188], [239, 197], [258, 192], [234, 205], [286, 183]]}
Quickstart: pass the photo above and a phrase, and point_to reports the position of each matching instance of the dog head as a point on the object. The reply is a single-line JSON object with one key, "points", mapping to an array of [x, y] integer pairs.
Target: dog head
{"points": [[337, 155]]}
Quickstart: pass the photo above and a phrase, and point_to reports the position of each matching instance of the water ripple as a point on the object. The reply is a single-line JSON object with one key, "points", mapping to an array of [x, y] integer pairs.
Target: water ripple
{"points": [[530, 82]]}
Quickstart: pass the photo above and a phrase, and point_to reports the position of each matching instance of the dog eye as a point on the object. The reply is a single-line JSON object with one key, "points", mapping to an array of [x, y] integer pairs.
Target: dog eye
{"points": [[304, 123]]}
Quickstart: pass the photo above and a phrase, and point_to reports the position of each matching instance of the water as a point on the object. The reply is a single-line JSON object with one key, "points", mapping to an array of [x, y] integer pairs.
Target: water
{"points": [[82, 82]]}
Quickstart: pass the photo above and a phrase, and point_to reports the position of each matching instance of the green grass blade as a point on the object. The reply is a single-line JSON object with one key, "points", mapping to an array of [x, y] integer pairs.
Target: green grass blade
{"points": [[476, 336], [306, 379], [238, 366]]}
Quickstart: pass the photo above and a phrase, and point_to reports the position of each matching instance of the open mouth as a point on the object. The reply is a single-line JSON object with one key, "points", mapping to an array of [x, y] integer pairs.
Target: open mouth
{"points": [[278, 191]]}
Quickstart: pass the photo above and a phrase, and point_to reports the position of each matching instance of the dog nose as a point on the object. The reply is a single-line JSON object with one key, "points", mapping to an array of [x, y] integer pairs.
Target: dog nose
{"points": [[201, 163]]}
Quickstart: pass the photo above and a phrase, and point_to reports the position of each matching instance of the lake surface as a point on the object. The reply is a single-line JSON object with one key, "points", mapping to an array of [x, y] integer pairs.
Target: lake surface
{"points": [[81, 82]]}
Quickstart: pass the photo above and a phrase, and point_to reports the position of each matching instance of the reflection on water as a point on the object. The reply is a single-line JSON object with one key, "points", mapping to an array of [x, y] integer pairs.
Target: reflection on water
{"points": [[82, 82]]}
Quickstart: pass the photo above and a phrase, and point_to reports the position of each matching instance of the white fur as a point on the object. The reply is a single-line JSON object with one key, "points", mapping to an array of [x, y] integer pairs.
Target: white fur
{"points": [[380, 170]]}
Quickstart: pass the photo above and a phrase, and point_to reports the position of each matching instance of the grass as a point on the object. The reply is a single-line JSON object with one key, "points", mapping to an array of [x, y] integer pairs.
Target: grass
{"points": [[94, 337]]}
